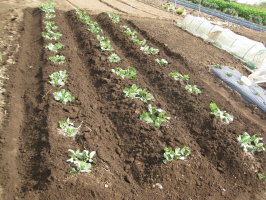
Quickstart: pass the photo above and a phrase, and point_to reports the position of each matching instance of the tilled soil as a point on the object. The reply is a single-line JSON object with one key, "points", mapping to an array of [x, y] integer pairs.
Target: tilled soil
{"points": [[129, 151]]}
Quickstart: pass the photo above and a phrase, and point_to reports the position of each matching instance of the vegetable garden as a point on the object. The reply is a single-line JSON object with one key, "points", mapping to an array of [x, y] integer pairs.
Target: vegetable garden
{"points": [[110, 112]]}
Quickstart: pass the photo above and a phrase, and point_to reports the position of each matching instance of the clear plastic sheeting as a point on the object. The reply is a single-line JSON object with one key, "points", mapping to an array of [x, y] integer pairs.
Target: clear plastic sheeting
{"points": [[251, 2], [251, 93], [244, 48]]}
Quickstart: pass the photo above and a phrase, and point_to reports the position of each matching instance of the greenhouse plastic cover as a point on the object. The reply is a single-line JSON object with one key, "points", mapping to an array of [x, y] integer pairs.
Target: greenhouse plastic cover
{"points": [[252, 94], [244, 48], [250, 2]]}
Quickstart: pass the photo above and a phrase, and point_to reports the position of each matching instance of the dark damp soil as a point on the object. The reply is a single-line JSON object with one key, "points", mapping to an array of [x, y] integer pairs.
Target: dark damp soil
{"points": [[129, 151]]}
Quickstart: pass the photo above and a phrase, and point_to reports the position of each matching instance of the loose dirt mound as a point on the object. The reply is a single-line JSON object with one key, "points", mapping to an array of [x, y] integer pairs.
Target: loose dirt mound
{"points": [[129, 152]]}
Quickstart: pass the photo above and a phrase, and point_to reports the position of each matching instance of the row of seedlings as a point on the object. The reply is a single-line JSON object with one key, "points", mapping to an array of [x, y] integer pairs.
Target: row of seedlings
{"points": [[249, 143], [154, 116], [153, 51], [81, 161], [157, 116]]}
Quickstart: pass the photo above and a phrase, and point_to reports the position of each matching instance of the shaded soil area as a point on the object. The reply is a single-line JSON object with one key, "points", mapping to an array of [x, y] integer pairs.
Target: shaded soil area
{"points": [[129, 151]]}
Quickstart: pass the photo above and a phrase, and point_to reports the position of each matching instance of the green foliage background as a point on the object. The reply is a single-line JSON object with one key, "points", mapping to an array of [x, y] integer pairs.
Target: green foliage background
{"points": [[249, 13]]}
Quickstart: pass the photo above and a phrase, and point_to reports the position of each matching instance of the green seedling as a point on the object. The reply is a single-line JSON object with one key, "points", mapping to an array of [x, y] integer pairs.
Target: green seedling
{"points": [[240, 82], [83, 16], [104, 43], [257, 93], [161, 61], [114, 17], [178, 153], [106, 46], [128, 73], [179, 77], [262, 177], [102, 38], [67, 128], [49, 15], [134, 92], [87, 20], [149, 50], [222, 115], [63, 96], [124, 26], [47, 7], [218, 66], [169, 7], [57, 59], [80, 13], [94, 27], [250, 143], [52, 35], [154, 115], [135, 40], [51, 27], [54, 47], [81, 161], [114, 58], [129, 32], [58, 78], [193, 89], [181, 11], [229, 74]]}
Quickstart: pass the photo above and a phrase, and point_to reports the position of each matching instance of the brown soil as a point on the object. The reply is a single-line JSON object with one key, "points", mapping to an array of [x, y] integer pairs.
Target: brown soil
{"points": [[129, 152]]}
